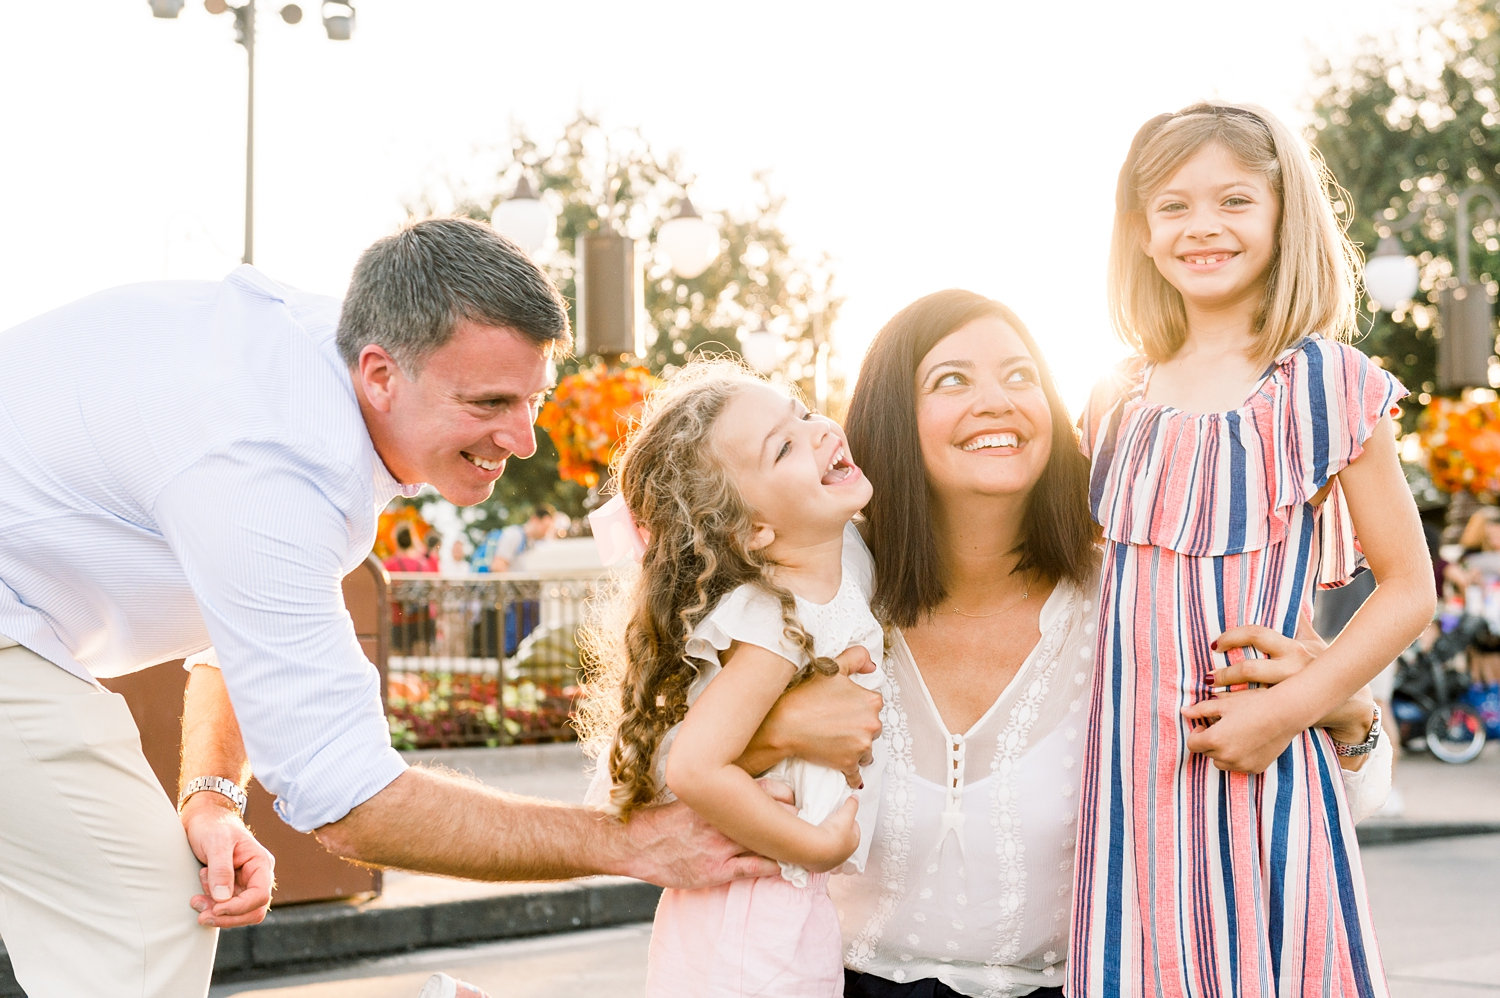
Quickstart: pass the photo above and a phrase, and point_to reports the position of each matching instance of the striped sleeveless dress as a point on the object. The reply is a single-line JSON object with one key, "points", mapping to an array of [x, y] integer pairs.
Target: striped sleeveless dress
{"points": [[1191, 881]]}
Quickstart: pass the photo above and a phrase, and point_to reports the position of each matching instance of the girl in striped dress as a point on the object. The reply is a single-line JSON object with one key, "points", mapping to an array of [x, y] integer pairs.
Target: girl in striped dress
{"points": [[1233, 461]]}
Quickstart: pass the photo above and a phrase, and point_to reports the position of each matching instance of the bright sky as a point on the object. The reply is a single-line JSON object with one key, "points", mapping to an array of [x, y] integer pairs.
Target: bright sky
{"points": [[941, 144]]}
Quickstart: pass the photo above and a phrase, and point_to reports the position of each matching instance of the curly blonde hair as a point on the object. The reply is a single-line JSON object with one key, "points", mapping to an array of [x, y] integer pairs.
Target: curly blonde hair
{"points": [[698, 529]]}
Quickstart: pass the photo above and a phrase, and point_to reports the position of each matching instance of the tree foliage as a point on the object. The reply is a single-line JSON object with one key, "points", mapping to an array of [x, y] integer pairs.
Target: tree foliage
{"points": [[1406, 126], [593, 178]]}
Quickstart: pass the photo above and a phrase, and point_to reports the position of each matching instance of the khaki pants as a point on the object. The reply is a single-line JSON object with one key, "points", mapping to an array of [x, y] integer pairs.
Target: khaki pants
{"points": [[95, 873]]}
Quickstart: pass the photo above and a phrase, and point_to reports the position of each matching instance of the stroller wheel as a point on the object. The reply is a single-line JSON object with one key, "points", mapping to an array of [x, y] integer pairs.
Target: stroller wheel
{"points": [[1455, 733]]}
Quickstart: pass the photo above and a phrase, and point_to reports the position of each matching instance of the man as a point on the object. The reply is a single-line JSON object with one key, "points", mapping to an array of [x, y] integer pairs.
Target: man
{"points": [[194, 464]]}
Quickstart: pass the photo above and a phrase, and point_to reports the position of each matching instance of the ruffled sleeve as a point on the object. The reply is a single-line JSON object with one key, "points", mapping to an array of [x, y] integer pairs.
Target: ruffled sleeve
{"points": [[1332, 398], [748, 615], [1225, 483]]}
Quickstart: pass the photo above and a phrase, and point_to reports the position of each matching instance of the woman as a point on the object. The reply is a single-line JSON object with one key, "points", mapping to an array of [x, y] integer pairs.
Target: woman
{"points": [[986, 566]]}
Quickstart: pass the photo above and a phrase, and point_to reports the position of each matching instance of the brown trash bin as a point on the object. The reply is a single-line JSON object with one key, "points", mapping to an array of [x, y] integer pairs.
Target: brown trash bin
{"points": [[305, 871]]}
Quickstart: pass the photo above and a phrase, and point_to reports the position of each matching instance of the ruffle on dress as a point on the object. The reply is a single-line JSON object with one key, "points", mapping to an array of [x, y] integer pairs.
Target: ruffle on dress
{"points": [[1224, 483]]}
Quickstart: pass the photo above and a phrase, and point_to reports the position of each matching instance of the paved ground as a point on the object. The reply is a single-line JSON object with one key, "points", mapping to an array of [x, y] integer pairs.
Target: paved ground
{"points": [[1436, 900], [1436, 903]]}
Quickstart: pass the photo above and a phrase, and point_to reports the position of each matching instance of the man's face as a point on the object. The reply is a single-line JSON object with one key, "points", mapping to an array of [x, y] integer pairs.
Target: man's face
{"points": [[538, 527], [471, 407]]}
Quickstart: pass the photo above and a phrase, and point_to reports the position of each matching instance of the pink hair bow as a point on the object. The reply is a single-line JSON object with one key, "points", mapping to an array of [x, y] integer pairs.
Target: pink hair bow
{"points": [[615, 532]]}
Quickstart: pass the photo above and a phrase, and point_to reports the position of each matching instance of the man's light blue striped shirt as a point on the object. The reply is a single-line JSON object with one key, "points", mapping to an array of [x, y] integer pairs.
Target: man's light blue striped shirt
{"points": [[184, 464]]}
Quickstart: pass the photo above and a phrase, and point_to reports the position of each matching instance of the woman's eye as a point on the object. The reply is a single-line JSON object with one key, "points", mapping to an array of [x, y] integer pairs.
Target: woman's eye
{"points": [[1022, 375], [786, 448], [1236, 201], [949, 380]]}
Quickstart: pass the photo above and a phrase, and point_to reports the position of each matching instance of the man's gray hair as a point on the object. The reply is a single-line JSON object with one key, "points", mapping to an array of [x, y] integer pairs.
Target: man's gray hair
{"points": [[411, 290]]}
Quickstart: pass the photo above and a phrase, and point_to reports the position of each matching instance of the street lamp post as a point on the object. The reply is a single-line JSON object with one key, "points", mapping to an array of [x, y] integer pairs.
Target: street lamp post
{"points": [[1466, 323], [609, 279], [338, 23]]}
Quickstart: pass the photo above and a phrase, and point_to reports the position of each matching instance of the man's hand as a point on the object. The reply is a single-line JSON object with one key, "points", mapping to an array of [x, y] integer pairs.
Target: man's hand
{"points": [[827, 719], [238, 871], [676, 848]]}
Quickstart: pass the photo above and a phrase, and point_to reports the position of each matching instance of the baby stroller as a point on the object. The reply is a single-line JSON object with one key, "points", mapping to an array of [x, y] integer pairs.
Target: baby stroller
{"points": [[1429, 700]]}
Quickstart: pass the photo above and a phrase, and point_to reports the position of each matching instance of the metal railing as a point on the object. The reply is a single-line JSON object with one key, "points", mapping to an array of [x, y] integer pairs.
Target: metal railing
{"points": [[484, 659]]}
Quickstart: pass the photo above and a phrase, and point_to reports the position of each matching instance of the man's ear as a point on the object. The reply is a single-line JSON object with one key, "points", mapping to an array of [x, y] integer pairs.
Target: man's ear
{"points": [[376, 370], [761, 538]]}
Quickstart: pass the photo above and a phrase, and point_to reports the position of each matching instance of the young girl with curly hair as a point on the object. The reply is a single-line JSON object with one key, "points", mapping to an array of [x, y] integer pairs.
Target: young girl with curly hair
{"points": [[746, 586]]}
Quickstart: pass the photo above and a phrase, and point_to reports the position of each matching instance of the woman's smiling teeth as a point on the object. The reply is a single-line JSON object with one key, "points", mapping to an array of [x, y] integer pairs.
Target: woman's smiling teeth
{"points": [[483, 464], [992, 440]]}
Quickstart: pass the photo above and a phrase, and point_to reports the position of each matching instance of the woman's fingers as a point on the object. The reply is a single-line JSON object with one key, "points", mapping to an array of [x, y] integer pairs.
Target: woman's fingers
{"points": [[854, 660]]}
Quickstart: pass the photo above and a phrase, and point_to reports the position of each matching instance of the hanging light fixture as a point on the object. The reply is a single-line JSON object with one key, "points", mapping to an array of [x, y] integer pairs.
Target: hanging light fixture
{"points": [[524, 219], [338, 20], [760, 347], [689, 242], [1390, 275]]}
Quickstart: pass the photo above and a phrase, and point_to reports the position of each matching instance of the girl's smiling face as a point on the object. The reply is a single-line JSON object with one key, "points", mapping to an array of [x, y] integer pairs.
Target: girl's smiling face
{"points": [[791, 466], [1211, 231]]}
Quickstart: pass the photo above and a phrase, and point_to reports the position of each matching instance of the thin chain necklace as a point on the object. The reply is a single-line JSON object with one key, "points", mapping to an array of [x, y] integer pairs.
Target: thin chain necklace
{"points": [[1025, 594]]}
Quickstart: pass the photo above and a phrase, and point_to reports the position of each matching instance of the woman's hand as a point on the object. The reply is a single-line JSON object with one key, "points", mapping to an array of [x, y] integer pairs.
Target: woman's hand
{"points": [[1253, 731], [827, 719]]}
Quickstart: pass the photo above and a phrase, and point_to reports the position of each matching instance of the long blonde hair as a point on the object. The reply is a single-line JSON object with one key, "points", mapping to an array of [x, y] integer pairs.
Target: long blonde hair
{"points": [[1314, 271], [698, 529]]}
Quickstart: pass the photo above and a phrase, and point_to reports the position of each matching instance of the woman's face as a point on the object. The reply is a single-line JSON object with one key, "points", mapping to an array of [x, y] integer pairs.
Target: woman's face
{"points": [[982, 416]]}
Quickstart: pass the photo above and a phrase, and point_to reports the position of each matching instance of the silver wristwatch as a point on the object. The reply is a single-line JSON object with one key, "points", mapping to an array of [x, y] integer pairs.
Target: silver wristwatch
{"points": [[217, 784], [1365, 747]]}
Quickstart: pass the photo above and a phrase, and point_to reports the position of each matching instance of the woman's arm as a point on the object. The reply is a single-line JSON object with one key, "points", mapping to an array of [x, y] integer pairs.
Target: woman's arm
{"points": [[1248, 733], [702, 767], [827, 719]]}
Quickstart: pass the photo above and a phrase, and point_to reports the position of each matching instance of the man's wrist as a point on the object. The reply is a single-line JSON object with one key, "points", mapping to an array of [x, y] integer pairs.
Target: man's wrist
{"points": [[220, 785]]}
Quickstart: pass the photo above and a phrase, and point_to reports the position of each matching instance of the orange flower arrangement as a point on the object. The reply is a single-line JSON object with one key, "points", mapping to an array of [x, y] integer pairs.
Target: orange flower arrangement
{"points": [[1462, 442], [589, 414], [385, 533]]}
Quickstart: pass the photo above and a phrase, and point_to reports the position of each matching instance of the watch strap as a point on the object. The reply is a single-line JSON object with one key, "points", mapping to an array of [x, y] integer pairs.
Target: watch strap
{"points": [[1365, 747], [214, 784]]}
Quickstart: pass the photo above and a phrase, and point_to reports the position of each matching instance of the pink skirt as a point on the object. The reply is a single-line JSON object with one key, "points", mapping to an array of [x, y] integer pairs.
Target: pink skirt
{"points": [[747, 937]]}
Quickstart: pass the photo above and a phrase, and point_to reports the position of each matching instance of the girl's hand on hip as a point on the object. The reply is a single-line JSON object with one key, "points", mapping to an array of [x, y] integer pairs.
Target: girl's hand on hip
{"points": [[1242, 732], [1349, 722]]}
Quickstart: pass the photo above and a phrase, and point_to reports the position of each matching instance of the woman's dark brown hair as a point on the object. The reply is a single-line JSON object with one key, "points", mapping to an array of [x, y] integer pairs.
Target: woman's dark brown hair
{"points": [[1057, 534]]}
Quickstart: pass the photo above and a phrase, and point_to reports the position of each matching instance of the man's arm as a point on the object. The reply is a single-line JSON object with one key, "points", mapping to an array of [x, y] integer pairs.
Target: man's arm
{"points": [[238, 870], [433, 821]]}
